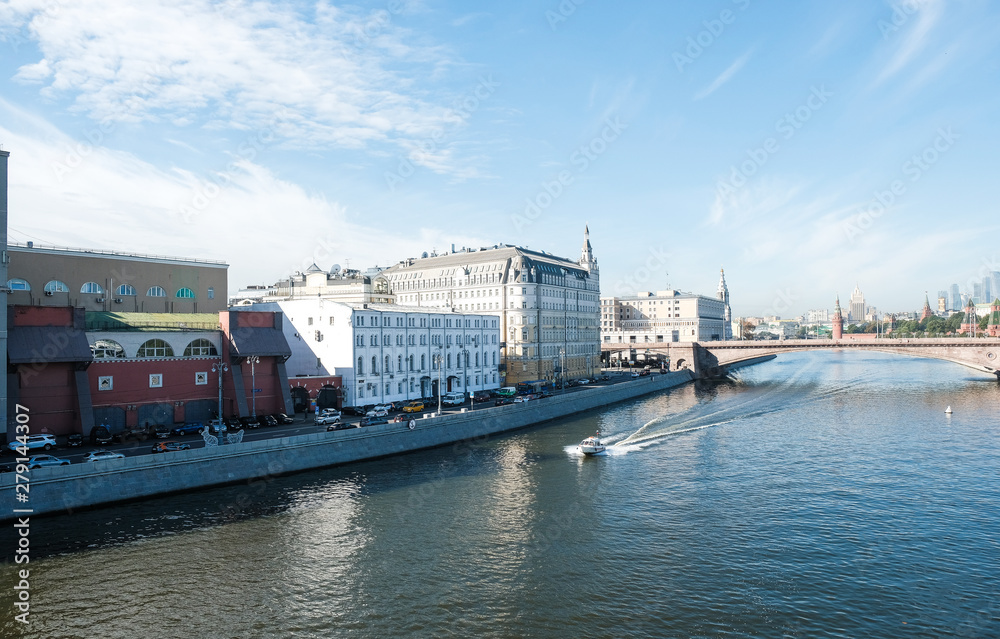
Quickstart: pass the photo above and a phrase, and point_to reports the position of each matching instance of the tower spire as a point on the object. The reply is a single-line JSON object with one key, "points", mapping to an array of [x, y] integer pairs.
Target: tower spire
{"points": [[587, 252]]}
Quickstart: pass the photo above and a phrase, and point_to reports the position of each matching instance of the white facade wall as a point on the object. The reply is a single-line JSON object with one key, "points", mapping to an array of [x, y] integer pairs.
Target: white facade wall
{"points": [[386, 353], [666, 316]]}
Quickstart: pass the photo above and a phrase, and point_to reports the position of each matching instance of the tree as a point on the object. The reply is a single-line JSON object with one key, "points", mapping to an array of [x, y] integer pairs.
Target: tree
{"points": [[747, 329]]}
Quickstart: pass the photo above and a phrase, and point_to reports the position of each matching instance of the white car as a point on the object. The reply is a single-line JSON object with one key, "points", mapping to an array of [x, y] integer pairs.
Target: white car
{"points": [[101, 455], [581, 382], [327, 419], [377, 412], [329, 412], [385, 407], [46, 460], [46, 442]]}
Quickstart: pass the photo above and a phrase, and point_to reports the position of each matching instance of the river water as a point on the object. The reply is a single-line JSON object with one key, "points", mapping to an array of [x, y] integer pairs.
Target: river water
{"points": [[816, 495]]}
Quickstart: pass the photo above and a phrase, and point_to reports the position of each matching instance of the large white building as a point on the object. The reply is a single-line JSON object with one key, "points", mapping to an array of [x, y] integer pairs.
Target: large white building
{"points": [[547, 306], [338, 284], [664, 316], [387, 352]]}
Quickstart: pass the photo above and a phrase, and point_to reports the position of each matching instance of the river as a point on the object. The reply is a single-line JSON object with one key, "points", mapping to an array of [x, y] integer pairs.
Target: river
{"points": [[821, 494]]}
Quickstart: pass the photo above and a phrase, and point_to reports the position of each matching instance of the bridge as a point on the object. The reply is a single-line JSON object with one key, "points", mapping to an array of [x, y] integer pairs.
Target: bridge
{"points": [[715, 359]]}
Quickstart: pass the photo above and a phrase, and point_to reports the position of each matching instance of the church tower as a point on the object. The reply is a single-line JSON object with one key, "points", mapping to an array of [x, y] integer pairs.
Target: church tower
{"points": [[838, 321], [927, 309], [727, 330]]}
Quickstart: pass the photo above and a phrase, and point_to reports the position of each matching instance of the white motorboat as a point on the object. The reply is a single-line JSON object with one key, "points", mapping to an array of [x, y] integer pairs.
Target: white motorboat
{"points": [[592, 445]]}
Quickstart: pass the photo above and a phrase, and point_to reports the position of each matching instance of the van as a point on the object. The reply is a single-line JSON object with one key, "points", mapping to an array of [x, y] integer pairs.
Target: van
{"points": [[453, 399], [506, 391]]}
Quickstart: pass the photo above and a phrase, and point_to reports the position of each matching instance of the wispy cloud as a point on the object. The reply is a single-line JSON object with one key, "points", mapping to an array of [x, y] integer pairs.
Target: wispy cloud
{"points": [[913, 38], [319, 79], [724, 77]]}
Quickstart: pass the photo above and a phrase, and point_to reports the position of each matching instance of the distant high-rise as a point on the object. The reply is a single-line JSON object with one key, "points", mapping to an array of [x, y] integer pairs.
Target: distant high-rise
{"points": [[988, 292], [942, 295], [977, 292], [856, 311], [956, 299]]}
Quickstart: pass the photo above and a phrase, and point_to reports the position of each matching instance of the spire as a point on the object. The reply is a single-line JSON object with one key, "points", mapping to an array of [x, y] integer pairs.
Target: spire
{"points": [[587, 253]]}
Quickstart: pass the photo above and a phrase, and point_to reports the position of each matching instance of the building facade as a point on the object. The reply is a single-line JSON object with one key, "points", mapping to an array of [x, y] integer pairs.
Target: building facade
{"points": [[548, 307], [390, 352], [856, 310], [112, 281], [663, 316], [338, 284]]}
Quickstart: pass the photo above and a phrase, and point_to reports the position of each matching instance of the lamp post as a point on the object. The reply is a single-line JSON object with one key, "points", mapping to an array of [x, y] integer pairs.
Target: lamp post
{"points": [[440, 363], [221, 368], [562, 369], [253, 383]]}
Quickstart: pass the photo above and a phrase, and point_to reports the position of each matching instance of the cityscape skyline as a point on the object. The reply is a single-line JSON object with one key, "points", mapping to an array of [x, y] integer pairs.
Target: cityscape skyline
{"points": [[801, 148]]}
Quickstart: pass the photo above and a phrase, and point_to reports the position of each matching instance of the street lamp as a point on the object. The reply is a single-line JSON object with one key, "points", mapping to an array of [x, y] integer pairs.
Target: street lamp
{"points": [[440, 363], [562, 369], [253, 382], [221, 368]]}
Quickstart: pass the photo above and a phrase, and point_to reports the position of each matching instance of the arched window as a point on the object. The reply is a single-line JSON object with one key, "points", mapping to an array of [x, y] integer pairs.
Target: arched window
{"points": [[399, 364], [411, 362], [55, 286], [374, 365], [200, 347], [388, 367], [107, 349], [17, 284], [361, 366], [92, 287], [477, 359], [494, 358], [156, 291], [185, 293], [155, 348], [449, 360], [125, 289], [423, 362]]}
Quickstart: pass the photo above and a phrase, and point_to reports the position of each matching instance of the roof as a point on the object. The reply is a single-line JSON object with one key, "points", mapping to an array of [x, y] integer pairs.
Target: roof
{"points": [[112, 321], [265, 342], [491, 254], [35, 344]]}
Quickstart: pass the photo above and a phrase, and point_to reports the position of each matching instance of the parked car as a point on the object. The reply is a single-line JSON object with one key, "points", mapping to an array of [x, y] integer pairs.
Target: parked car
{"points": [[482, 396], [372, 421], [453, 399], [355, 410], [377, 412], [74, 440], [248, 422], [634, 375], [282, 418], [101, 436], [385, 407], [339, 425], [333, 412], [582, 382], [503, 401], [188, 428], [604, 378], [233, 423], [164, 447], [266, 420], [31, 442], [413, 407], [328, 420], [161, 431], [102, 455], [46, 460]]}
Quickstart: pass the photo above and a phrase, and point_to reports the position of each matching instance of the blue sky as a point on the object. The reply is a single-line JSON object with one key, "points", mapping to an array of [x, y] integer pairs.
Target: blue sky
{"points": [[805, 147]]}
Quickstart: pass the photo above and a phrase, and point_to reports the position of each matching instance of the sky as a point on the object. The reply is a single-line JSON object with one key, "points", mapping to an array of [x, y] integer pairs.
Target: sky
{"points": [[805, 147]]}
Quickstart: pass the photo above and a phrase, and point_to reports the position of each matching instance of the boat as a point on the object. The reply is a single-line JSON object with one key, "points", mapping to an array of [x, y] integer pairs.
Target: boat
{"points": [[592, 445]]}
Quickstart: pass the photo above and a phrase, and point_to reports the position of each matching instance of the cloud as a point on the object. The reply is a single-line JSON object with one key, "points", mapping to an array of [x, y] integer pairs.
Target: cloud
{"points": [[724, 77], [66, 193], [928, 14], [322, 78]]}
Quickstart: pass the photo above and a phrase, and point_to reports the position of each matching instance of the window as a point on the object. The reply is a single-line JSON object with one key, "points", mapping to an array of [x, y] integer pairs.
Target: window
{"points": [[185, 293], [55, 286], [155, 348], [423, 362], [387, 368], [374, 365], [309, 321], [211, 293], [18, 284], [331, 321], [361, 367], [92, 287], [125, 289], [399, 365], [200, 347], [107, 349], [156, 291]]}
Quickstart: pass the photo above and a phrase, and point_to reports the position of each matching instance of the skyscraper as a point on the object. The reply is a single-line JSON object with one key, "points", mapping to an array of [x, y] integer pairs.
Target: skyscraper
{"points": [[856, 312], [956, 299]]}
